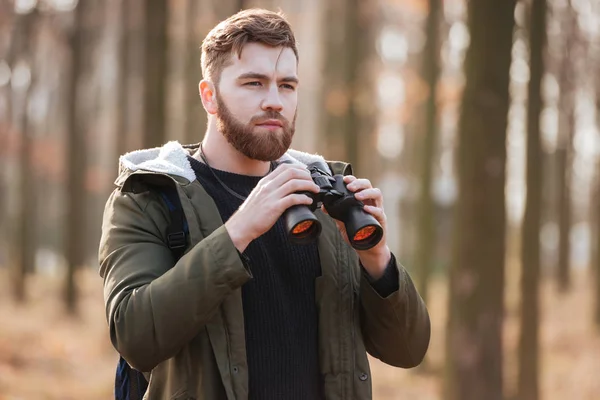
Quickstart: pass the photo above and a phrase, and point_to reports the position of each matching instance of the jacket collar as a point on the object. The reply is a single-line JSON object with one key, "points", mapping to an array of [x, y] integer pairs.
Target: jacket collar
{"points": [[171, 159]]}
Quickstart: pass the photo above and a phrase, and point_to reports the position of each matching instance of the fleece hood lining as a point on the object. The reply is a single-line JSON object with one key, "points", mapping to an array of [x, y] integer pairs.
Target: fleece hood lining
{"points": [[172, 159]]}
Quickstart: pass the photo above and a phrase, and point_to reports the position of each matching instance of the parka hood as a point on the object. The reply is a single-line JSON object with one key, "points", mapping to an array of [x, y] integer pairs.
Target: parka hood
{"points": [[171, 159]]}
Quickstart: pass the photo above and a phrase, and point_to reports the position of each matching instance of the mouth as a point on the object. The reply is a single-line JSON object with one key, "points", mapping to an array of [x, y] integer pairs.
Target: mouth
{"points": [[271, 123]]}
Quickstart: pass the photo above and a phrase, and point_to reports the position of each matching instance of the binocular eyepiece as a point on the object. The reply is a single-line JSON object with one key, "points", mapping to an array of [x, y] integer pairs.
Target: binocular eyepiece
{"points": [[363, 230]]}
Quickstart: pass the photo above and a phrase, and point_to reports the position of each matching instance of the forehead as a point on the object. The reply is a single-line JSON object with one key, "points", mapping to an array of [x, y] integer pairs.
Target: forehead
{"points": [[262, 59]]}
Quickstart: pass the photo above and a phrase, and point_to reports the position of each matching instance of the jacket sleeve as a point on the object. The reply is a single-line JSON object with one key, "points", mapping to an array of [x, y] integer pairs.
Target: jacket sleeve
{"points": [[396, 328], [153, 306]]}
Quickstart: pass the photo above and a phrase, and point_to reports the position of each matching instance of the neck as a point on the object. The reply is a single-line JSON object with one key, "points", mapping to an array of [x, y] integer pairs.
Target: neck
{"points": [[221, 155]]}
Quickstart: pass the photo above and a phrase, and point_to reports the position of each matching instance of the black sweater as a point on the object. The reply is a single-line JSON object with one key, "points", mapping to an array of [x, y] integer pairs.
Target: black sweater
{"points": [[280, 312]]}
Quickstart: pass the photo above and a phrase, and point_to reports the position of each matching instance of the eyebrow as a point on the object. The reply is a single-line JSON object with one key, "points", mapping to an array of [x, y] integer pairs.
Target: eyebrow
{"points": [[256, 75]]}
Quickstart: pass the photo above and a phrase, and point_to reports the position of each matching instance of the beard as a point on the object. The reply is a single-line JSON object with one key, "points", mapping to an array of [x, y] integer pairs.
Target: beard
{"points": [[265, 145]]}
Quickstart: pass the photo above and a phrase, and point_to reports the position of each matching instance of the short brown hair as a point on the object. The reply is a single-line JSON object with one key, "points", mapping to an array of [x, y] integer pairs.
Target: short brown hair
{"points": [[247, 26]]}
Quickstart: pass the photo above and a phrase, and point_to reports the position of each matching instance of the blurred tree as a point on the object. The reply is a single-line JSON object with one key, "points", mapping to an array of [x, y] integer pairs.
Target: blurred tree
{"points": [[155, 75], [76, 159], [564, 148], [124, 27], [474, 334], [596, 207], [597, 252], [6, 53], [431, 72], [195, 116], [528, 382], [21, 57], [349, 109]]}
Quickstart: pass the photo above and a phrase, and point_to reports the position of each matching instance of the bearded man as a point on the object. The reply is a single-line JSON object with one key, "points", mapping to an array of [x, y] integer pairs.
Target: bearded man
{"points": [[245, 313]]}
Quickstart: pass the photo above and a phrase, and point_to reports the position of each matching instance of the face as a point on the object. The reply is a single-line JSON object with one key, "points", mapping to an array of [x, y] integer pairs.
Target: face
{"points": [[256, 101]]}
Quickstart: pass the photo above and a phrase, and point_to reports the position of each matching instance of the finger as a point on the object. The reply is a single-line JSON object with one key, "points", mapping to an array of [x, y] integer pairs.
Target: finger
{"points": [[376, 212], [296, 185], [371, 194], [283, 168], [349, 178], [293, 200], [287, 174], [359, 184]]}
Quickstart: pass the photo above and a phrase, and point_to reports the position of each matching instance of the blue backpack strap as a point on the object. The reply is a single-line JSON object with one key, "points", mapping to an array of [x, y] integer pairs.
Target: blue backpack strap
{"points": [[178, 230], [131, 384], [122, 380]]}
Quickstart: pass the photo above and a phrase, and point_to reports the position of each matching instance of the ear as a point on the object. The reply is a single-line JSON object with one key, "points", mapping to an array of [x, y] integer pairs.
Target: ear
{"points": [[208, 96]]}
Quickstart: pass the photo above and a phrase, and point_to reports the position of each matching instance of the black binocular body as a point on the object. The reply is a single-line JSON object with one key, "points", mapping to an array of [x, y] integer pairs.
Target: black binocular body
{"points": [[363, 230]]}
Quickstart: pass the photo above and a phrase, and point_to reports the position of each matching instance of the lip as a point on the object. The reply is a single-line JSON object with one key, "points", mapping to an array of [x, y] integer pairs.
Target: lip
{"points": [[271, 122]]}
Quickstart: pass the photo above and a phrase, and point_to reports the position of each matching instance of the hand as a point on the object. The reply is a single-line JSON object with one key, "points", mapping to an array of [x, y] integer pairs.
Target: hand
{"points": [[273, 194], [376, 259]]}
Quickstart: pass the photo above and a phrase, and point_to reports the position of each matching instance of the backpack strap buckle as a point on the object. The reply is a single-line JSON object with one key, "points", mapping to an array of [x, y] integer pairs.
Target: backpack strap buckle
{"points": [[176, 240]]}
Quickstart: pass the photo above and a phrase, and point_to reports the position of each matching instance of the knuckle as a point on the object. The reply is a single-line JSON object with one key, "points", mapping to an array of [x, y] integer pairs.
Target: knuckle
{"points": [[296, 173], [292, 186], [295, 185], [301, 185], [293, 200]]}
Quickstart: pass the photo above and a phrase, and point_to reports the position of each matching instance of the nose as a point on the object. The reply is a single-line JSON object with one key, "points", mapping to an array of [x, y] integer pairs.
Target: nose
{"points": [[272, 101]]}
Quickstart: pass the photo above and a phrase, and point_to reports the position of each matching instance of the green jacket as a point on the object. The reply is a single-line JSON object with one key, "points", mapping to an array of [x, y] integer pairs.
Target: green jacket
{"points": [[183, 322]]}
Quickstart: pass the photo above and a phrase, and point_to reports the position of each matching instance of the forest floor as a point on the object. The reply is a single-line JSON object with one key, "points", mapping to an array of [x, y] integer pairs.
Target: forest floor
{"points": [[45, 354]]}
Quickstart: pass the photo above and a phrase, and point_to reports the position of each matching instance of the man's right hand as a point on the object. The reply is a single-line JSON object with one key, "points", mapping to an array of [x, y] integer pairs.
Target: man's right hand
{"points": [[273, 194]]}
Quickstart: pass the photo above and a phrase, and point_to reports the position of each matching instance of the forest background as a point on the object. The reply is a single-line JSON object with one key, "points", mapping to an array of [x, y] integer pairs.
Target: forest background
{"points": [[479, 120]]}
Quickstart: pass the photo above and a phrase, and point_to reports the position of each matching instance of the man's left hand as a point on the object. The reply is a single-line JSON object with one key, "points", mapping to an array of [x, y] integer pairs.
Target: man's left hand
{"points": [[376, 259]]}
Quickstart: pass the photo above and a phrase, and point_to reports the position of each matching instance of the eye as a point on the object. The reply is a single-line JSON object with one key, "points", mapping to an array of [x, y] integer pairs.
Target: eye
{"points": [[254, 83], [287, 86]]}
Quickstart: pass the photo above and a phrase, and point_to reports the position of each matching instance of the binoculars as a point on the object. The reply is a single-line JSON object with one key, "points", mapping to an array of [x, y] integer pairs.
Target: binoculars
{"points": [[363, 230]]}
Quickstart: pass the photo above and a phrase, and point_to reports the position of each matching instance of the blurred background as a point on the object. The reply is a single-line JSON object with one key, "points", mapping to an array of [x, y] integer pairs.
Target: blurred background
{"points": [[478, 120]]}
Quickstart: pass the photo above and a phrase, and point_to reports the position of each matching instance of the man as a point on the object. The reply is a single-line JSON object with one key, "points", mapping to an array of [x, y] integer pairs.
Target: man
{"points": [[245, 313]]}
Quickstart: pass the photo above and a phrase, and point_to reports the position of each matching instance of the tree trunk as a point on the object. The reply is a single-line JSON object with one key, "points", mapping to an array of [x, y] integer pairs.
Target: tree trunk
{"points": [[474, 334], [195, 115], [26, 204], [564, 150], [528, 382], [155, 76], [76, 162], [431, 66], [348, 111], [122, 77], [563, 158], [22, 237], [596, 216], [597, 257], [336, 93]]}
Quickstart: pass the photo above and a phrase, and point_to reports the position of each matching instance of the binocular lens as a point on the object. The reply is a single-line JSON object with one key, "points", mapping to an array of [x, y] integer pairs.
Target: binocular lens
{"points": [[302, 227], [364, 233]]}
